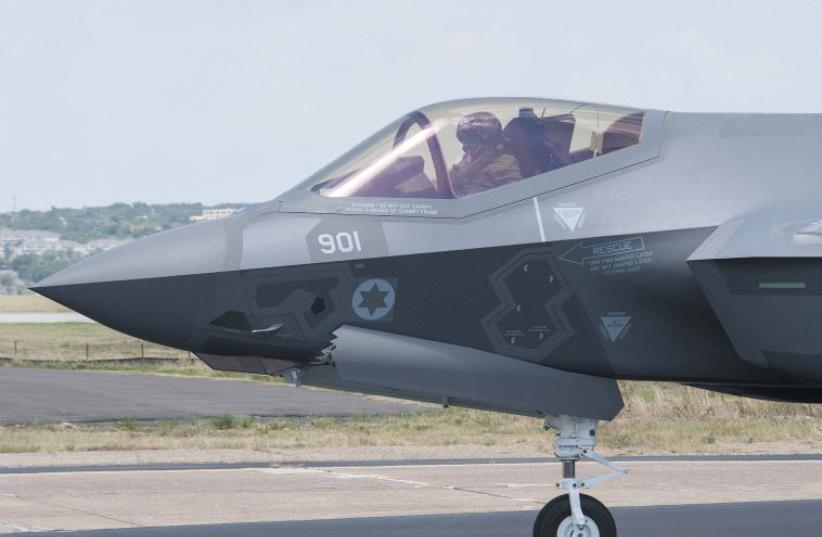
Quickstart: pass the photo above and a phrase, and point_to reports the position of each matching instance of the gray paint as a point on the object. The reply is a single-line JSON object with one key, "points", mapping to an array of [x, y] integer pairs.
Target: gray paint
{"points": [[457, 375], [658, 222], [191, 249], [699, 179]]}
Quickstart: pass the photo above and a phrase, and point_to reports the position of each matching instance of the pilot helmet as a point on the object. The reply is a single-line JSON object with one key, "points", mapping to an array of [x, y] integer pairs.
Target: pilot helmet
{"points": [[479, 128]]}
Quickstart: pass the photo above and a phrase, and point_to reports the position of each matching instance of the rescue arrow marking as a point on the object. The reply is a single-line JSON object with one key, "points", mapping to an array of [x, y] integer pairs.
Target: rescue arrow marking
{"points": [[580, 253]]}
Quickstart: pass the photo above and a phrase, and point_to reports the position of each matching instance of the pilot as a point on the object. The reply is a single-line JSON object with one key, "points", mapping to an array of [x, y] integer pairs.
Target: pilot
{"points": [[486, 163]]}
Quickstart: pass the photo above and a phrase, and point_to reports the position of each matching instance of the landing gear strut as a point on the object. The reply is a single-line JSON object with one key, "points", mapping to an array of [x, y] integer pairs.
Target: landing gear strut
{"points": [[575, 514]]}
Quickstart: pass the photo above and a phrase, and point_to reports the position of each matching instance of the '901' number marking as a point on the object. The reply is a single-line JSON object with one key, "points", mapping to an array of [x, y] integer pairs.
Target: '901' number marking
{"points": [[343, 242]]}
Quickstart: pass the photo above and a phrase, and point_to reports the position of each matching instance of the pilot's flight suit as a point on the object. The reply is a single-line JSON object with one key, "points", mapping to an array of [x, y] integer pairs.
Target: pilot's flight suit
{"points": [[492, 168]]}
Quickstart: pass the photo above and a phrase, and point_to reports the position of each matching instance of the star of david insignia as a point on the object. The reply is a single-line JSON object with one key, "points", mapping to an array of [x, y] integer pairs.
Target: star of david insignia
{"points": [[373, 299]]}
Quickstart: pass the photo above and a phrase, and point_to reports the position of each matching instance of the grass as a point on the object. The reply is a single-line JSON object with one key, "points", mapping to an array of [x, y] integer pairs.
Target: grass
{"points": [[128, 424], [658, 418], [183, 367], [87, 346], [74, 342], [29, 303], [680, 419], [223, 422]]}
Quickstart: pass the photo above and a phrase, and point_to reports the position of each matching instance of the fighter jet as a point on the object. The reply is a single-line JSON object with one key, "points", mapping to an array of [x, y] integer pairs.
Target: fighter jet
{"points": [[513, 255]]}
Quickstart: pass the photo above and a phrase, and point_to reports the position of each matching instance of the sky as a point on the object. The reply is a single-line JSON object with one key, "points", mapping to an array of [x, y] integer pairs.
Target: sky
{"points": [[236, 101]]}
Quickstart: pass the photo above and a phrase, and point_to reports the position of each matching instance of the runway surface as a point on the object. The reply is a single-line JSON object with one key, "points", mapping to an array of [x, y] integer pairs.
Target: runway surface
{"points": [[30, 395], [751, 497], [760, 519]]}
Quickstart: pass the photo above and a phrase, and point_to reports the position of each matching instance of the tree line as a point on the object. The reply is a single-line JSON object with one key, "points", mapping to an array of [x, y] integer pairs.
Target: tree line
{"points": [[118, 221]]}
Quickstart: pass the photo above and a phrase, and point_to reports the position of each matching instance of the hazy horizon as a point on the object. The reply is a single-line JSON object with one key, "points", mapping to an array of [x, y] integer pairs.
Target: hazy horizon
{"points": [[132, 203], [214, 101]]}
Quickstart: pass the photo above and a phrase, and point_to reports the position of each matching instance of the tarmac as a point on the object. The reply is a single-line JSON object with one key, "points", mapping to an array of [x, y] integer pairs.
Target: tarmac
{"points": [[246, 493], [29, 395], [690, 496], [763, 519]]}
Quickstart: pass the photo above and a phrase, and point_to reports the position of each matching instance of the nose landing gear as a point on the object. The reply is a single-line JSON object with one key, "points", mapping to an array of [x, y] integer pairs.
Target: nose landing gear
{"points": [[575, 514]]}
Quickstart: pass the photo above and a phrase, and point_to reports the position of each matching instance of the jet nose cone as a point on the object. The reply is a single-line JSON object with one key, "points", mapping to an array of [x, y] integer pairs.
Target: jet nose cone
{"points": [[149, 288], [192, 249]]}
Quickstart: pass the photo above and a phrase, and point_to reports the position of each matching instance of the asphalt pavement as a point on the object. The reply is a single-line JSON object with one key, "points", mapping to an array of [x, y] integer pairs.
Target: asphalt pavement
{"points": [[659, 497], [29, 395], [756, 519]]}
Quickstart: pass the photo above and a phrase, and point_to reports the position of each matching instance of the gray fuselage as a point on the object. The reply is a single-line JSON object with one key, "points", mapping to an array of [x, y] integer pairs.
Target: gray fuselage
{"points": [[690, 258]]}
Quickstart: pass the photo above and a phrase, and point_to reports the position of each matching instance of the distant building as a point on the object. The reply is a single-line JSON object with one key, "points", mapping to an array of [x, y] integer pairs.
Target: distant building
{"points": [[15, 242], [40, 246], [212, 214], [8, 236], [100, 245]]}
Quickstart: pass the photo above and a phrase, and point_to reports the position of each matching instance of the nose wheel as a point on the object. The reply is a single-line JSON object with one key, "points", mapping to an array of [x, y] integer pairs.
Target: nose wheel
{"points": [[556, 519], [574, 514]]}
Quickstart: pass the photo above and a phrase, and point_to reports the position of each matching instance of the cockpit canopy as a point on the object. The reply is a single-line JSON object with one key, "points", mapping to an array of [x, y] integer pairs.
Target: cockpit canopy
{"points": [[462, 148]]}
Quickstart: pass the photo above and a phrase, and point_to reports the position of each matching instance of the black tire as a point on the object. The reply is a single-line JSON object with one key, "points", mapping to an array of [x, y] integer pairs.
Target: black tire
{"points": [[557, 510]]}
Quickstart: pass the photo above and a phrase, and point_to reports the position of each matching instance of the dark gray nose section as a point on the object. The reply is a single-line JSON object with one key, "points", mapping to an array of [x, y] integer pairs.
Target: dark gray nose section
{"points": [[151, 288]]}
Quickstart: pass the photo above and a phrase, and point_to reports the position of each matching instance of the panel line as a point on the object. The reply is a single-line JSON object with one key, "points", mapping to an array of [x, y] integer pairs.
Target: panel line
{"points": [[539, 220]]}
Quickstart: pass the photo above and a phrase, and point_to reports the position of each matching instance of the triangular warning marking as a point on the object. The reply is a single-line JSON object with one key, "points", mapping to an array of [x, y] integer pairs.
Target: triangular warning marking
{"points": [[570, 216], [615, 326]]}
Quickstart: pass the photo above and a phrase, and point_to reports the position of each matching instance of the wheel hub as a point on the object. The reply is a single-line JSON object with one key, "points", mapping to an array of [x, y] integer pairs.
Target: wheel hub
{"points": [[568, 529]]}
